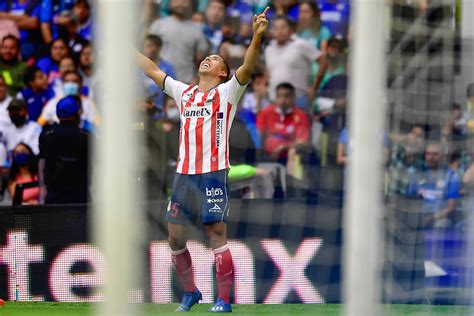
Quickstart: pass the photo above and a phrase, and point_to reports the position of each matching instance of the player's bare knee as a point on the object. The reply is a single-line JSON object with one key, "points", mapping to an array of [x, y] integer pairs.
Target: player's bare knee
{"points": [[176, 243]]}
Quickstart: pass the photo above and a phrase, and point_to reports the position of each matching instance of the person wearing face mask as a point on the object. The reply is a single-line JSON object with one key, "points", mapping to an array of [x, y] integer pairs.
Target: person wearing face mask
{"points": [[64, 148], [24, 169], [72, 87], [21, 130]]}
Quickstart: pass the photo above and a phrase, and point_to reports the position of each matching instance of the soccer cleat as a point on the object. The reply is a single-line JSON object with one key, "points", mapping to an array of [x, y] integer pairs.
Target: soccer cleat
{"points": [[189, 299], [220, 307]]}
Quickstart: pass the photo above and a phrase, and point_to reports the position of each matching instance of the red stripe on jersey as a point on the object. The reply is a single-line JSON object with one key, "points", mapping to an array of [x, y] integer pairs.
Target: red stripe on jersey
{"points": [[184, 92], [186, 136], [199, 124], [229, 108], [214, 148], [181, 110]]}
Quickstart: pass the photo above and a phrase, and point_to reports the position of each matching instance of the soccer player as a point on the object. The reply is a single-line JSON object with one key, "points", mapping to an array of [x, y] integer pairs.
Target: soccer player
{"points": [[200, 186]]}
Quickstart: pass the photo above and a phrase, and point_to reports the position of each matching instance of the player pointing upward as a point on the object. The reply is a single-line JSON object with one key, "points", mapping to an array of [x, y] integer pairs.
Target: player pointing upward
{"points": [[200, 186]]}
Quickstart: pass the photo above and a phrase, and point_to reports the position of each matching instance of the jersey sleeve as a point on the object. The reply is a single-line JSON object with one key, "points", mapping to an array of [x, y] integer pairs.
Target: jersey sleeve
{"points": [[233, 89], [174, 89]]}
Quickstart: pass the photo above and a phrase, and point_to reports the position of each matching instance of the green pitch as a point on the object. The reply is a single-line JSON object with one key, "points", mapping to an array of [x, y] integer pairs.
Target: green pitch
{"points": [[79, 309]]}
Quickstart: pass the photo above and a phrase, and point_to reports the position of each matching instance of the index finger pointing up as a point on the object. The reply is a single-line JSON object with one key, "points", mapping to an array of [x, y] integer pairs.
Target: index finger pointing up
{"points": [[265, 11]]}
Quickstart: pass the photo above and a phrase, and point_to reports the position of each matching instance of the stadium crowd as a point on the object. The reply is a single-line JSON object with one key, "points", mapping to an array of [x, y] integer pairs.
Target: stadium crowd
{"points": [[291, 122]]}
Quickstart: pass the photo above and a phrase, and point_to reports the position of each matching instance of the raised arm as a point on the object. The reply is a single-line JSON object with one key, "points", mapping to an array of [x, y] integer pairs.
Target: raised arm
{"points": [[150, 69], [260, 24]]}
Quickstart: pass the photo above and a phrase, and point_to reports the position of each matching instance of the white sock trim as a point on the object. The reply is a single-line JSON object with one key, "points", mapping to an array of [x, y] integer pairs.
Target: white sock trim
{"points": [[178, 252], [220, 249]]}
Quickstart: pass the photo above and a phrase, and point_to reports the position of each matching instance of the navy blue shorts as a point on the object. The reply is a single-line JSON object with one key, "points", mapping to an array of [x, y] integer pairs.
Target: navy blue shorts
{"points": [[205, 194]]}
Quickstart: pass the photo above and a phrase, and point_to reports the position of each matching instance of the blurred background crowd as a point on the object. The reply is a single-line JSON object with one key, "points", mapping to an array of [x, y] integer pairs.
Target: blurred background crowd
{"points": [[289, 138]]}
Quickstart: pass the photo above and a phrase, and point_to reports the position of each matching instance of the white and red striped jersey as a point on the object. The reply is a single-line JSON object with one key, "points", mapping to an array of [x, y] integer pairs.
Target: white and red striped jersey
{"points": [[206, 119]]}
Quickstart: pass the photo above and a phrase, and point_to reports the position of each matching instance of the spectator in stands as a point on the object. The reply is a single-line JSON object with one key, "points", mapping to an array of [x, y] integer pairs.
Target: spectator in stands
{"points": [[407, 156], [232, 53], [284, 128], [288, 8], [310, 27], [334, 64], [26, 15], [65, 151], [240, 11], [168, 128], [343, 147], [72, 87], [440, 187], [66, 65], [5, 100], [11, 67], [21, 130], [288, 59], [50, 64], [184, 44], [81, 13], [244, 175], [59, 14], [152, 49], [257, 98], [24, 169], [87, 70], [455, 127], [469, 114], [215, 14], [75, 41], [36, 93]]}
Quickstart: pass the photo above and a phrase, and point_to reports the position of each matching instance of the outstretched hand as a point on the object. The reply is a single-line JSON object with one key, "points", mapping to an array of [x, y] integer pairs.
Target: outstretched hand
{"points": [[260, 23]]}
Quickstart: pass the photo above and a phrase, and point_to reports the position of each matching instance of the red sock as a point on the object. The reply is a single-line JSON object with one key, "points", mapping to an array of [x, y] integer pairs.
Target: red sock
{"points": [[184, 268], [224, 269]]}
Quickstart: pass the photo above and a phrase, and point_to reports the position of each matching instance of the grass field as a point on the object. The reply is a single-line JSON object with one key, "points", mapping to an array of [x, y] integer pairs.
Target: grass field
{"points": [[73, 309]]}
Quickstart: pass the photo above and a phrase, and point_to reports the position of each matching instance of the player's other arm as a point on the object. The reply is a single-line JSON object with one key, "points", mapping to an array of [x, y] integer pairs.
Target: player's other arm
{"points": [[260, 24], [150, 69]]}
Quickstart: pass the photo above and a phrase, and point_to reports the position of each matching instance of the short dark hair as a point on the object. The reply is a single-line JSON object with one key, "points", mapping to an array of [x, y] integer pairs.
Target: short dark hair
{"points": [[288, 21], [75, 73], [286, 86], [155, 39], [85, 2], [13, 38], [470, 90], [456, 106], [227, 68], [455, 156], [418, 125], [338, 40], [30, 74]]}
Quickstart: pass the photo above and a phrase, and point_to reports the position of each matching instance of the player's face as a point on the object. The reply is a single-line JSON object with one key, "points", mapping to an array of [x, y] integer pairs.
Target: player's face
{"points": [[10, 50], [213, 65]]}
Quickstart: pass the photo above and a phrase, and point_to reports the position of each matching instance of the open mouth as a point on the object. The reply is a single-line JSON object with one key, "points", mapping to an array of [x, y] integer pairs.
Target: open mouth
{"points": [[206, 65]]}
